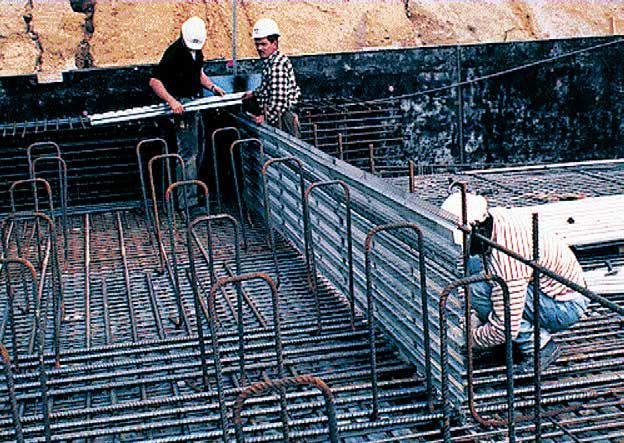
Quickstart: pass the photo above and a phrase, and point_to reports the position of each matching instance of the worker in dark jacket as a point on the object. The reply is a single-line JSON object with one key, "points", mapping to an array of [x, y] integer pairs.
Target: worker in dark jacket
{"points": [[179, 75], [559, 306], [278, 94]]}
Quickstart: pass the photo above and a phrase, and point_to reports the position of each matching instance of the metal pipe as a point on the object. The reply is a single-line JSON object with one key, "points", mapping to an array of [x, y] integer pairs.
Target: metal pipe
{"points": [[340, 147], [28, 267], [31, 174], [249, 301], [239, 293], [63, 193], [145, 112], [124, 259], [40, 322], [234, 62], [48, 189], [213, 331], [174, 257], [371, 153], [57, 282], [87, 270], [537, 365], [315, 132]]}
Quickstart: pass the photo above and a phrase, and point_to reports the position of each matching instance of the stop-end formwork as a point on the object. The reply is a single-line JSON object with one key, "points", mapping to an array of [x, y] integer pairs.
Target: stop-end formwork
{"points": [[397, 291]]}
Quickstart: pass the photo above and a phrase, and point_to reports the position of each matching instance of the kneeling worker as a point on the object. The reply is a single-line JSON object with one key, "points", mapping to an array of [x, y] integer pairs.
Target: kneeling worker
{"points": [[180, 75], [559, 306], [278, 93]]}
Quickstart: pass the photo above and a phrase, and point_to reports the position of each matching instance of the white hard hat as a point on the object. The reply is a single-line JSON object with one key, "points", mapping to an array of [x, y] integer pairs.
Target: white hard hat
{"points": [[194, 33], [476, 207], [265, 27]]}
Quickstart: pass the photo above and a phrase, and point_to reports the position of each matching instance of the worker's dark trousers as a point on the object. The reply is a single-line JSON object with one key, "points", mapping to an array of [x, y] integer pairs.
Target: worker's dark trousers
{"points": [[189, 135], [554, 315], [289, 122]]}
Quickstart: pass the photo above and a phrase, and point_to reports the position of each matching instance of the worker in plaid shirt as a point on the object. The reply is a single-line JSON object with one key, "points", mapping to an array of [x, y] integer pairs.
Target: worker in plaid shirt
{"points": [[278, 93]]}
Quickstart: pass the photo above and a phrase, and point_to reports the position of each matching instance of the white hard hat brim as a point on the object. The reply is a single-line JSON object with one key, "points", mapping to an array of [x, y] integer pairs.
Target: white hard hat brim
{"points": [[194, 45]]}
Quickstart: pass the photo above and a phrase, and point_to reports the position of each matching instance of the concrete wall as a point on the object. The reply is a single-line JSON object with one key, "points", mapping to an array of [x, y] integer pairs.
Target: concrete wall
{"points": [[566, 110], [570, 109]]}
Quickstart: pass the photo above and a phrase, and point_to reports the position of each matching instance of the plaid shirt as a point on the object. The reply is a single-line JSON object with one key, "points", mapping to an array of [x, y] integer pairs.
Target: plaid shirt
{"points": [[278, 91]]}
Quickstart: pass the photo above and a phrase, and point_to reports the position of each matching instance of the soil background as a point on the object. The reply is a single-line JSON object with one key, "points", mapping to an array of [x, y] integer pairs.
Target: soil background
{"points": [[124, 32]]}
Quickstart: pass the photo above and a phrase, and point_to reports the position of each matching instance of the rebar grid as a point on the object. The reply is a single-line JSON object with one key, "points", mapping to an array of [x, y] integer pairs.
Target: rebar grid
{"points": [[523, 186], [365, 135], [128, 370], [139, 385]]}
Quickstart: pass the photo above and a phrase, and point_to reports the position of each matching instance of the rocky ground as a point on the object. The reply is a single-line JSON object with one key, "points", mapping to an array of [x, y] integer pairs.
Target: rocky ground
{"points": [[47, 36]]}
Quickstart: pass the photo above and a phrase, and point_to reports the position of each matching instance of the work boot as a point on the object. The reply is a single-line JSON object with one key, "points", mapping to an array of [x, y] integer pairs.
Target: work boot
{"points": [[548, 355]]}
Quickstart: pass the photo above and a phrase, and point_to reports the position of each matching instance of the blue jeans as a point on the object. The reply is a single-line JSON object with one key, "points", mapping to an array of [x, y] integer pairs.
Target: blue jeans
{"points": [[189, 133], [554, 315]]}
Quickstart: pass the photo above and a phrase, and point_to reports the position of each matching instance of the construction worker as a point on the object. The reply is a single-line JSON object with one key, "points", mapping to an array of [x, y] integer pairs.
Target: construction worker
{"points": [[559, 306], [179, 75], [278, 93]]}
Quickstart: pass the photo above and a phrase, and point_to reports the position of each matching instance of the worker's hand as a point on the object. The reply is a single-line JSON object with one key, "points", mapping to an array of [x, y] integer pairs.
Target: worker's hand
{"points": [[176, 106], [475, 321], [247, 95], [259, 119], [217, 90]]}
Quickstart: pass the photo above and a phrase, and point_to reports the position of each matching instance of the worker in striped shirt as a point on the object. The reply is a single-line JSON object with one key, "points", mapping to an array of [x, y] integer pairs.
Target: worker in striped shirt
{"points": [[559, 306]]}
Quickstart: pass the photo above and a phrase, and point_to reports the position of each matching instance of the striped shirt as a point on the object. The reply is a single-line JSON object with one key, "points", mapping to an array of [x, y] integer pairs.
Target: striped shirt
{"points": [[514, 232], [278, 91]]}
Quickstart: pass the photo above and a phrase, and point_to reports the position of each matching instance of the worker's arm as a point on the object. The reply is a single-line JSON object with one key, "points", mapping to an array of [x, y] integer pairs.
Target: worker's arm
{"points": [[159, 89], [209, 84], [492, 333], [261, 94]]}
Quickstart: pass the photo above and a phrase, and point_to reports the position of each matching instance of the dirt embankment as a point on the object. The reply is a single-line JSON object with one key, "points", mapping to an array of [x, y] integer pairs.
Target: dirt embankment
{"points": [[47, 35]]}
